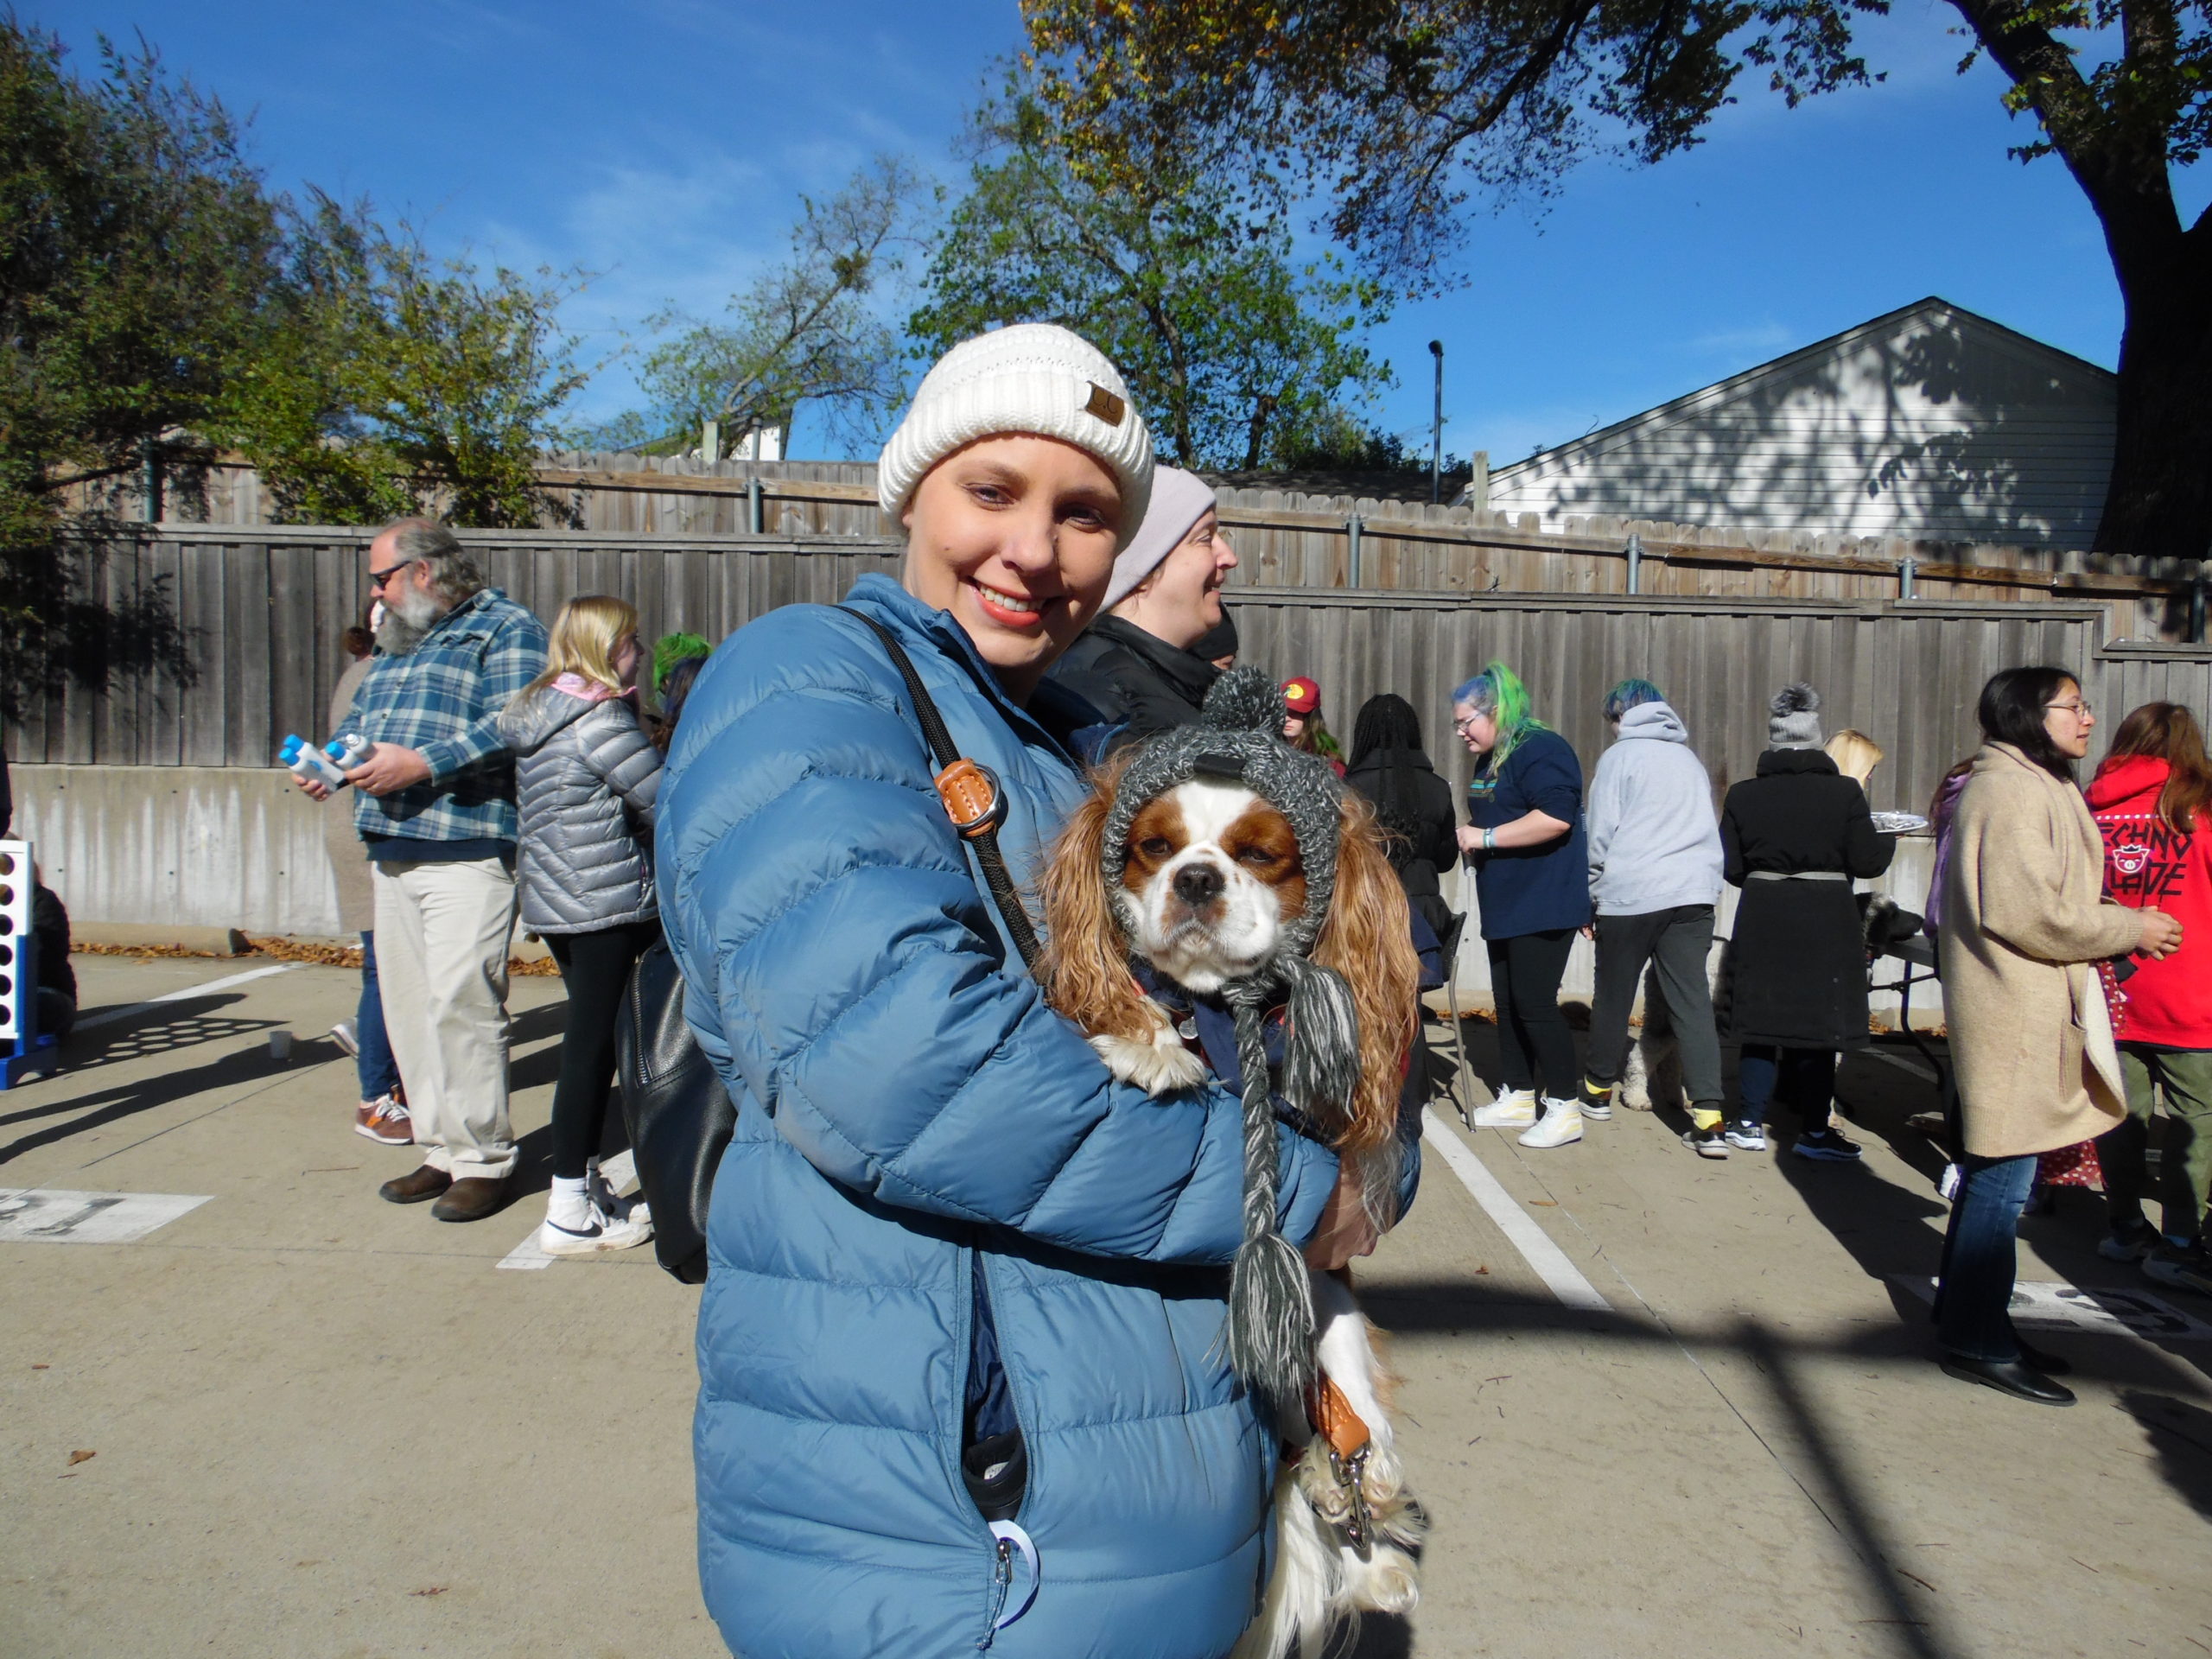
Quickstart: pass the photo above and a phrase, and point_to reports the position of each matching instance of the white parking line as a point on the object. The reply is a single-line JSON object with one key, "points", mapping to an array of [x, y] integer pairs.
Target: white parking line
{"points": [[620, 1170], [1902, 1063], [1560, 1275], [109, 1016], [46, 1215]]}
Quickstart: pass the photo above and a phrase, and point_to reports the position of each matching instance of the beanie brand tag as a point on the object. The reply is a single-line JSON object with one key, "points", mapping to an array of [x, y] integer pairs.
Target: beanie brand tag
{"points": [[1105, 405], [1214, 764]]}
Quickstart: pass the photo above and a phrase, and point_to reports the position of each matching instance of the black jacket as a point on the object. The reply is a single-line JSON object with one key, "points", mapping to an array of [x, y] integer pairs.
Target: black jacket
{"points": [[1798, 960], [1134, 679], [1420, 825]]}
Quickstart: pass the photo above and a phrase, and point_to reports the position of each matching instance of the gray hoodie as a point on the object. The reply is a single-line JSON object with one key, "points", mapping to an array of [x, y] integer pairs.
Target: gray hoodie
{"points": [[1655, 842]]}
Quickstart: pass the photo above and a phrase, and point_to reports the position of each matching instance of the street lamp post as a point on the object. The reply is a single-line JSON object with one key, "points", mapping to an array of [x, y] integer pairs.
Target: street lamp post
{"points": [[1436, 428]]}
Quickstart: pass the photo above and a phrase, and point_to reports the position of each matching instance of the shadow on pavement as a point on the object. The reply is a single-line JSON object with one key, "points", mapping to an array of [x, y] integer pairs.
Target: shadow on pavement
{"points": [[2181, 1431], [104, 1106], [163, 1029]]}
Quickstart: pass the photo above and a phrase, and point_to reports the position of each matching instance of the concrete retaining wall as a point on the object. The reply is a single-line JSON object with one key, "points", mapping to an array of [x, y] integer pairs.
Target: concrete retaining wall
{"points": [[223, 847], [238, 847]]}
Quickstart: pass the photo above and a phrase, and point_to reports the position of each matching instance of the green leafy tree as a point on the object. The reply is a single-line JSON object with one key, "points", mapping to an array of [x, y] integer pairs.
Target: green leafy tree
{"points": [[386, 381], [1238, 352], [136, 250], [809, 330], [1394, 111]]}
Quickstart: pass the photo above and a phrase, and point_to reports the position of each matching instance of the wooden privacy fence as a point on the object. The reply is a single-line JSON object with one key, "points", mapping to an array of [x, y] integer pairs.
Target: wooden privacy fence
{"points": [[260, 614], [1301, 539]]}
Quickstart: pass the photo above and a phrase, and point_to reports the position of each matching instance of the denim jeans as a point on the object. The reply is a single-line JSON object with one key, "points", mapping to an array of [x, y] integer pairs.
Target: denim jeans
{"points": [[378, 1072], [1972, 1320], [1802, 1077]]}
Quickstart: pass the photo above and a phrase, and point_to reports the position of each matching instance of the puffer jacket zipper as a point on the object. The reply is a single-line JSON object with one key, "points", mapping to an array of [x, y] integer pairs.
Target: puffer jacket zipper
{"points": [[1002, 1550]]}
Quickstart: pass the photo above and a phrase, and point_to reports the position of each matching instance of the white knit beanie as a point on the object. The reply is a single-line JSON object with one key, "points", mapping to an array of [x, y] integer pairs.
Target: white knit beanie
{"points": [[1179, 499], [1031, 379]]}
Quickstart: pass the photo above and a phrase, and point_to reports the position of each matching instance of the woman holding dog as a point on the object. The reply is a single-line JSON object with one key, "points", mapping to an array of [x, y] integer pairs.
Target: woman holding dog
{"points": [[962, 1340], [2025, 922], [1532, 882]]}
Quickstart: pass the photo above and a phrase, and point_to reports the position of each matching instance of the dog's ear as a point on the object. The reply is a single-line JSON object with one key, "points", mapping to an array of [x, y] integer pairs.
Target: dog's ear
{"points": [[1086, 969], [1369, 940]]}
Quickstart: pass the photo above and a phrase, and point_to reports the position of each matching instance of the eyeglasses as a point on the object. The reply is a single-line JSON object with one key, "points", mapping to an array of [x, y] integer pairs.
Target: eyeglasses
{"points": [[2083, 709], [1465, 723], [378, 578]]}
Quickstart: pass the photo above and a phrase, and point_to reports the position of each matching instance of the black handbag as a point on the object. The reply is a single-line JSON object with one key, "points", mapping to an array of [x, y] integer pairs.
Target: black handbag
{"points": [[680, 1117]]}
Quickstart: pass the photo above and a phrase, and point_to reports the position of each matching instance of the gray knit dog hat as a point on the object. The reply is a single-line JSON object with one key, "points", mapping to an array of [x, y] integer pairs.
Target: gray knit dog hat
{"points": [[1238, 740], [1794, 718]]}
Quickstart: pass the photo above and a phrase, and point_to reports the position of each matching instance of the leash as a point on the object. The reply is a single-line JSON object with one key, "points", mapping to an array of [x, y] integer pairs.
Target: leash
{"points": [[972, 797]]}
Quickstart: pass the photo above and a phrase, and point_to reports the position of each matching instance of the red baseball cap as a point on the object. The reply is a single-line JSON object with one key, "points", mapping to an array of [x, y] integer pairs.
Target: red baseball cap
{"points": [[1301, 696]]}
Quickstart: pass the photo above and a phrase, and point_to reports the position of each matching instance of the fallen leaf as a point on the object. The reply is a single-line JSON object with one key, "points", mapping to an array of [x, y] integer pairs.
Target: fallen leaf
{"points": [[76, 1457], [1549, 1203], [434, 1590], [1482, 1269], [42, 1368]]}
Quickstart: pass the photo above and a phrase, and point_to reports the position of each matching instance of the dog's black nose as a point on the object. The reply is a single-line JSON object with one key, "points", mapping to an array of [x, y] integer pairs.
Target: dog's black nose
{"points": [[1198, 883]]}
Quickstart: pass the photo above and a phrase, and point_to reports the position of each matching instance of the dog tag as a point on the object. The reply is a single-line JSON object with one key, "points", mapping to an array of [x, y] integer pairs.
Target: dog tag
{"points": [[1188, 1028]]}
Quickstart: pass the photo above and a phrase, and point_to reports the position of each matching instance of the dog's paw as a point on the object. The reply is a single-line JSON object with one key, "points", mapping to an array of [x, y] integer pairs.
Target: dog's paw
{"points": [[1159, 1067]]}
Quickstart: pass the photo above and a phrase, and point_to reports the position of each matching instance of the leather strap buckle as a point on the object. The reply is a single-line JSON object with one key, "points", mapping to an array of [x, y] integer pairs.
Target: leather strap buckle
{"points": [[972, 797], [1331, 1415]]}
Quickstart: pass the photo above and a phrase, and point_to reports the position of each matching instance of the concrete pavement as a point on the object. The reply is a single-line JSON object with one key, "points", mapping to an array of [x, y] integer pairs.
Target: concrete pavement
{"points": [[322, 1424]]}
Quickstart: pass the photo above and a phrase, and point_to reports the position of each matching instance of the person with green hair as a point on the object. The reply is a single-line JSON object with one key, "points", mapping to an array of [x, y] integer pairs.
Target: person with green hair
{"points": [[672, 649], [1524, 833]]}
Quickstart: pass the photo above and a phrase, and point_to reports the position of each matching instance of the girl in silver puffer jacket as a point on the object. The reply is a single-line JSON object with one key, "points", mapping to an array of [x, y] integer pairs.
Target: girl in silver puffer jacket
{"points": [[587, 778]]}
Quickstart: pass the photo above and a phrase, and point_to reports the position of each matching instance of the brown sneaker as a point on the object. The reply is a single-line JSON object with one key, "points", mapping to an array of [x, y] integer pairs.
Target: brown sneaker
{"points": [[424, 1183], [471, 1199], [384, 1120]]}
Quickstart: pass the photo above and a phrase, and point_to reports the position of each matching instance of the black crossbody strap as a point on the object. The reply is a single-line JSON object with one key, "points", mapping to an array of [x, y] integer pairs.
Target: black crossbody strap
{"points": [[973, 797]]}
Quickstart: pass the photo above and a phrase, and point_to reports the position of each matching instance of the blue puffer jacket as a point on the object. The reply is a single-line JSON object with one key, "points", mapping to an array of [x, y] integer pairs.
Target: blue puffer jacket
{"points": [[909, 1109]]}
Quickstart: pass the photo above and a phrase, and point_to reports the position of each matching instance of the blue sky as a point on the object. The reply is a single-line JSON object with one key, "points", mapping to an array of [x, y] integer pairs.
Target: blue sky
{"points": [[664, 143]]}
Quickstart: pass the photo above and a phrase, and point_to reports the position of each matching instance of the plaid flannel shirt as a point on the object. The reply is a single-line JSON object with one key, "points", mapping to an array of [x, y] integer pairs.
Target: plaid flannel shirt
{"points": [[443, 699]]}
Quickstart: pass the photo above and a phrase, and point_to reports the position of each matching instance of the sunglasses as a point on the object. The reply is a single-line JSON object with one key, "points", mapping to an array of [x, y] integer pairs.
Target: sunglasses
{"points": [[378, 578]]}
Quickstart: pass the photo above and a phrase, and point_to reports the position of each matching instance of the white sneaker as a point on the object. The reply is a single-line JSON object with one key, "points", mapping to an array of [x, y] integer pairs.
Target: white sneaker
{"points": [[1514, 1109], [600, 1232], [1560, 1126]]}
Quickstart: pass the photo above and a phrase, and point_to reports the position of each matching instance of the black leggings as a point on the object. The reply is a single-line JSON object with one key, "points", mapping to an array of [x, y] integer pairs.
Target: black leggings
{"points": [[1524, 975], [595, 967]]}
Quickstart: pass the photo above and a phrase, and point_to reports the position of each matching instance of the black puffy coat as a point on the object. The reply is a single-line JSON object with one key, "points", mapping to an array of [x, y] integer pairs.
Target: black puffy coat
{"points": [[1798, 960], [1134, 679], [1419, 823]]}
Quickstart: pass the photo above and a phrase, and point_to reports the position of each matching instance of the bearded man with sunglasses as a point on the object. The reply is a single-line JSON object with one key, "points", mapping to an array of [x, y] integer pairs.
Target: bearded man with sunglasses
{"points": [[435, 805]]}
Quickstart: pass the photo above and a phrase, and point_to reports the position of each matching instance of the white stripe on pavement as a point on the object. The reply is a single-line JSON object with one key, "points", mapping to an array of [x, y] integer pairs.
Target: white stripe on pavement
{"points": [[45, 1215], [620, 1170], [1903, 1064], [1563, 1278], [109, 1016]]}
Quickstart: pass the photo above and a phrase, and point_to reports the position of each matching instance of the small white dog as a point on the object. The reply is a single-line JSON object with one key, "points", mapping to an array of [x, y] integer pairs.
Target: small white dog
{"points": [[1214, 874]]}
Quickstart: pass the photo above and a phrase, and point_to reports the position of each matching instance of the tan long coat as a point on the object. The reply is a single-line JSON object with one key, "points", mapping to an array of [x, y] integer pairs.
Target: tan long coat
{"points": [[2023, 920]]}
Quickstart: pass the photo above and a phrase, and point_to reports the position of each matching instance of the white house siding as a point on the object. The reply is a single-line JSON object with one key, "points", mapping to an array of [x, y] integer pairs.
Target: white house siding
{"points": [[1931, 423]]}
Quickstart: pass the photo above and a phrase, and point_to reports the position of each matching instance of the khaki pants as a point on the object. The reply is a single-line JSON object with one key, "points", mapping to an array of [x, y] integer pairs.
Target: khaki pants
{"points": [[443, 932]]}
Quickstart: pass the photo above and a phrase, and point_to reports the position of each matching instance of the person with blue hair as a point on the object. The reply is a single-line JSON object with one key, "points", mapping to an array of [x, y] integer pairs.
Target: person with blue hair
{"points": [[1654, 880], [1524, 833]]}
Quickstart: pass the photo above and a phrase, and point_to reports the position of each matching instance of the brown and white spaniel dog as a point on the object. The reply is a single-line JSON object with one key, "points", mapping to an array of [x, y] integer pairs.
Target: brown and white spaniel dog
{"points": [[1214, 873]]}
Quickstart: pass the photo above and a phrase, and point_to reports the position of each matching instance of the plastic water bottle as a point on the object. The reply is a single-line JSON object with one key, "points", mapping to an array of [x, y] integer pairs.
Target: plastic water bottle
{"points": [[309, 765], [348, 750]]}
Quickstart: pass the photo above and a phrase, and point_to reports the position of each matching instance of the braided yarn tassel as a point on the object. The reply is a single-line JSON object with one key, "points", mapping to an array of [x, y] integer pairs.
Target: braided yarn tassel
{"points": [[1270, 1297]]}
